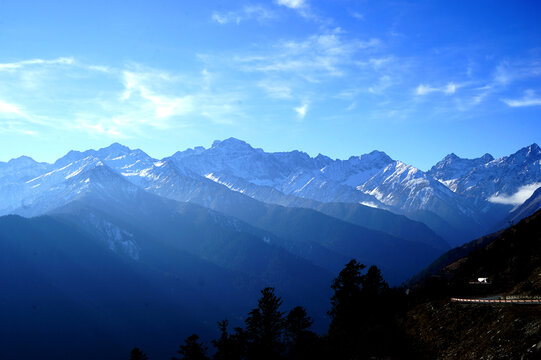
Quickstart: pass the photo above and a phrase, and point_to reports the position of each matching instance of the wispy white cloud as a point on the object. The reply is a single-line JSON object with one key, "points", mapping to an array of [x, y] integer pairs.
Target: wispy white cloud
{"points": [[378, 63], [20, 64], [320, 55], [301, 111], [303, 8], [382, 84], [357, 15], [10, 109], [250, 12], [521, 195], [529, 99], [100, 68], [12, 112], [130, 101], [477, 99], [448, 89], [98, 127], [507, 72], [349, 93], [164, 106], [293, 4], [276, 89], [15, 127], [351, 106]]}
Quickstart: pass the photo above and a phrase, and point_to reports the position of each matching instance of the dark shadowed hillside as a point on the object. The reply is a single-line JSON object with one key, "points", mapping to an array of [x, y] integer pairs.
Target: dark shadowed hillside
{"points": [[511, 260]]}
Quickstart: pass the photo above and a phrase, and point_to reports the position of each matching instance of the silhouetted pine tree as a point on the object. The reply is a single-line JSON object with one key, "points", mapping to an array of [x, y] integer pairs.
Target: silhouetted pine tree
{"points": [[301, 342], [192, 349], [137, 354], [229, 347], [346, 312], [378, 314], [264, 327], [297, 322], [373, 284], [365, 315]]}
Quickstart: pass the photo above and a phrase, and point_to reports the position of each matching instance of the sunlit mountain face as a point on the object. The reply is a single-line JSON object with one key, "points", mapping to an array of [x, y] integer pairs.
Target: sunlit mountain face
{"points": [[457, 199]]}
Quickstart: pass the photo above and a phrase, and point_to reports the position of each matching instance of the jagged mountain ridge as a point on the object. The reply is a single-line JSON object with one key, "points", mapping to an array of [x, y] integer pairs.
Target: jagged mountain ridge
{"points": [[162, 177], [295, 178], [321, 239], [486, 178], [373, 179]]}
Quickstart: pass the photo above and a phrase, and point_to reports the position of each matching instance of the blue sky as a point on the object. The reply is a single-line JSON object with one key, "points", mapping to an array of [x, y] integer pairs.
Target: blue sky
{"points": [[417, 79]]}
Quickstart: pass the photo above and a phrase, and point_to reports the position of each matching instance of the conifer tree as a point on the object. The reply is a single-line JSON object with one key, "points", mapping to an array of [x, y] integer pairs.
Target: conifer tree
{"points": [[264, 327], [346, 312], [137, 354], [373, 283], [229, 346], [301, 342], [192, 349], [296, 324]]}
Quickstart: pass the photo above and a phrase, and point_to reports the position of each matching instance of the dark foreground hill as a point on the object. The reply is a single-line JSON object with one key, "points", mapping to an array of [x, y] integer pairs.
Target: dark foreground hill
{"points": [[511, 260]]}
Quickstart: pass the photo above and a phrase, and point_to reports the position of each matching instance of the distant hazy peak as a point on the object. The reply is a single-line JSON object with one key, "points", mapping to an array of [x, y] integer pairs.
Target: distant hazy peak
{"points": [[321, 157], [453, 157], [22, 160], [116, 147], [376, 156], [231, 143]]}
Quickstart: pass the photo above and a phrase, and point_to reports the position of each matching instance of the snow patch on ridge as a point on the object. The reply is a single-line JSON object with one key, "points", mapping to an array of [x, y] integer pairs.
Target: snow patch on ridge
{"points": [[117, 239], [369, 204], [228, 185]]}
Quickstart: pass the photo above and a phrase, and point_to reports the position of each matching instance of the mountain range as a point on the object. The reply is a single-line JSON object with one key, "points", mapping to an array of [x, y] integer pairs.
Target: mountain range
{"points": [[230, 220]]}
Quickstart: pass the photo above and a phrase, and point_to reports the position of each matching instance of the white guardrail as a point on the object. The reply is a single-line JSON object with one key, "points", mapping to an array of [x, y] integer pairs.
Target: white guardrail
{"points": [[531, 301]]}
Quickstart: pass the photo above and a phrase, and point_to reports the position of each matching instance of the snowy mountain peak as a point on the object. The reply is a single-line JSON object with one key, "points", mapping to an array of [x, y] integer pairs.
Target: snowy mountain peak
{"points": [[322, 159], [527, 154], [450, 157], [115, 148], [532, 150], [22, 161], [231, 143], [377, 157], [70, 157], [486, 158], [454, 167], [107, 153]]}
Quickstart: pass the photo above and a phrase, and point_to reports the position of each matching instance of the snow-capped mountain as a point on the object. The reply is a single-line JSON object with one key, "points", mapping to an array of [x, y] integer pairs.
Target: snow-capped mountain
{"points": [[19, 169], [458, 198], [452, 167], [240, 167], [31, 188], [13, 177], [125, 161], [61, 186], [509, 180], [372, 179], [408, 189]]}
